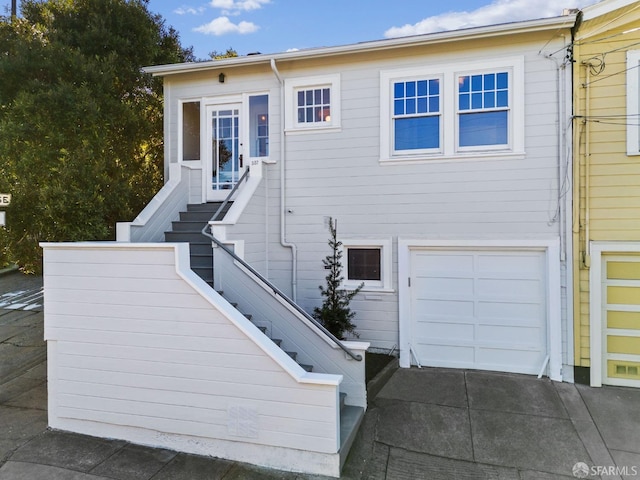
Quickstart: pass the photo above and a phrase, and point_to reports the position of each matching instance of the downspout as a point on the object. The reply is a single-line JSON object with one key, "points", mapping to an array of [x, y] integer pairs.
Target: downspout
{"points": [[283, 208], [587, 168]]}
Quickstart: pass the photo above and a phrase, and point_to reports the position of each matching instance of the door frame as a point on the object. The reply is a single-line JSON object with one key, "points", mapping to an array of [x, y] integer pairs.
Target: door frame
{"points": [[209, 104], [551, 247]]}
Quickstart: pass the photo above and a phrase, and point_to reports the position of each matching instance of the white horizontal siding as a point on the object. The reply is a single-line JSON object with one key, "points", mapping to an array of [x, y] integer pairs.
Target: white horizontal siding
{"points": [[144, 352]]}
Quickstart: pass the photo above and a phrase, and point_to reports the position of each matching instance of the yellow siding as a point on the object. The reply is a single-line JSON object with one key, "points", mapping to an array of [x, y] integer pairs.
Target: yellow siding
{"points": [[614, 178]]}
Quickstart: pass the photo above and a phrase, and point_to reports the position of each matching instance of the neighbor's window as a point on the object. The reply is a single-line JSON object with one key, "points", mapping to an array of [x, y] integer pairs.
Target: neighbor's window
{"points": [[416, 115], [633, 102], [191, 131], [483, 109], [312, 103]]}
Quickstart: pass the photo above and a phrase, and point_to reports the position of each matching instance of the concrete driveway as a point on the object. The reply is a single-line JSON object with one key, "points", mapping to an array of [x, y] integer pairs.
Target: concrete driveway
{"points": [[425, 423]]}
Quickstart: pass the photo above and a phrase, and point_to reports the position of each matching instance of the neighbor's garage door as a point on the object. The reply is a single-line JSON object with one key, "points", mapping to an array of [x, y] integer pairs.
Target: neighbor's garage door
{"points": [[480, 309], [621, 320]]}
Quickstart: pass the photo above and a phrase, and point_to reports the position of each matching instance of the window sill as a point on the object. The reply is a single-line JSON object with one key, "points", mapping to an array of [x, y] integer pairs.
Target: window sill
{"points": [[479, 156], [367, 289]]}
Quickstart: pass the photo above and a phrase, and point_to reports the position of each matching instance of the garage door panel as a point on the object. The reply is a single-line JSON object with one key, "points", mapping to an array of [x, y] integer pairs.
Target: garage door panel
{"points": [[516, 337], [444, 263], [519, 264], [452, 356], [524, 289], [436, 286], [448, 332], [621, 320], [515, 312], [482, 309], [447, 308]]}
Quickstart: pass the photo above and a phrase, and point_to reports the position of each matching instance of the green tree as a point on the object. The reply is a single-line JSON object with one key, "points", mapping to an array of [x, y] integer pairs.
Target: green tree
{"points": [[80, 124], [335, 313]]}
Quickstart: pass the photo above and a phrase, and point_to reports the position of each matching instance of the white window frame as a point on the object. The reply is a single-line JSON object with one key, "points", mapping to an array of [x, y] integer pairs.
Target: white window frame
{"points": [[293, 85], [385, 246], [633, 102], [449, 74]]}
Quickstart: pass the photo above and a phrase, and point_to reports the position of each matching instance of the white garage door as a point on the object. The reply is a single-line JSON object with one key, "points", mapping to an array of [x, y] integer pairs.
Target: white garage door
{"points": [[481, 309]]}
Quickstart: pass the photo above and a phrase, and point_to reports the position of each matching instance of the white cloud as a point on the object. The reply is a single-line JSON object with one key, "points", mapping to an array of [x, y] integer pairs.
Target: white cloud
{"points": [[234, 7], [189, 10], [222, 26], [499, 11]]}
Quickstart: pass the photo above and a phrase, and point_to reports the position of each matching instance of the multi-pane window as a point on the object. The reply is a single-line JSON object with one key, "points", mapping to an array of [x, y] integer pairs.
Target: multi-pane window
{"points": [[483, 109], [416, 114], [314, 105], [448, 111], [259, 125]]}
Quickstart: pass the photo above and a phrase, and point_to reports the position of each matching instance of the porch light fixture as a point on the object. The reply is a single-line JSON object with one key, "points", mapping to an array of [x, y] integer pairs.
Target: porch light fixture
{"points": [[221, 78]]}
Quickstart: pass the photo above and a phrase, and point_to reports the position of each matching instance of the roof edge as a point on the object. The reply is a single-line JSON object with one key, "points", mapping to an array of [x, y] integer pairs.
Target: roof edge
{"points": [[604, 7], [564, 21]]}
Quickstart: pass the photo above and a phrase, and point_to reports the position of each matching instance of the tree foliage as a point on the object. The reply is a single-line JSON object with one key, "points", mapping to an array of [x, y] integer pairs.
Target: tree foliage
{"points": [[335, 313], [80, 124]]}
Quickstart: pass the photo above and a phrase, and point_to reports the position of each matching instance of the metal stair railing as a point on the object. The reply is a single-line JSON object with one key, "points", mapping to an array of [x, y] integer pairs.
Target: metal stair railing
{"points": [[276, 291], [244, 176]]}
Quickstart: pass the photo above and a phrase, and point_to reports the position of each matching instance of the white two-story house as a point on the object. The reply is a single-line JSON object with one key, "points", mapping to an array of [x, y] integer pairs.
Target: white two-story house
{"points": [[445, 160]]}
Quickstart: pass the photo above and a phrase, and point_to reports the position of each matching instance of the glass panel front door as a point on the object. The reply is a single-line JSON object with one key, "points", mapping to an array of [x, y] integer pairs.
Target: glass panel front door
{"points": [[225, 158]]}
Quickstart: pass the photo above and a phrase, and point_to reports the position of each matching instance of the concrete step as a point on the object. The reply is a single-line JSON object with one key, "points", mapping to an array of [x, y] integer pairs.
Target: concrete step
{"points": [[198, 260], [350, 420], [187, 226], [190, 237], [204, 207], [201, 248], [205, 273]]}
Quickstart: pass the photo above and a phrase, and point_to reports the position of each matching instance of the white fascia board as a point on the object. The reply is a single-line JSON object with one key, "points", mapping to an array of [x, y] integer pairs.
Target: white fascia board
{"points": [[553, 23], [602, 8]]}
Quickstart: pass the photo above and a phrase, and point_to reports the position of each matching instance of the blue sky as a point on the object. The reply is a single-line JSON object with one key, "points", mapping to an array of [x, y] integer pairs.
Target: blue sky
{"points": [[273, 26]]}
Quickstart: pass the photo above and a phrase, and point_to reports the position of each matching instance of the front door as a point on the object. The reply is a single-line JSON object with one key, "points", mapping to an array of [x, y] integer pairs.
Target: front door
{"points": [[224, 155]]}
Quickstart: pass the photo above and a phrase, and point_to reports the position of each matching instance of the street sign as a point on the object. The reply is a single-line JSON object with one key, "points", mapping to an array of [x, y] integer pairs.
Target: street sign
{"points": [[5, 199]]}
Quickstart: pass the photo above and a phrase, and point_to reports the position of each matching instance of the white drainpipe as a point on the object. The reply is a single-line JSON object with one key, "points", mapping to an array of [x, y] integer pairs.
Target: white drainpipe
{"points": [[283, 207]]}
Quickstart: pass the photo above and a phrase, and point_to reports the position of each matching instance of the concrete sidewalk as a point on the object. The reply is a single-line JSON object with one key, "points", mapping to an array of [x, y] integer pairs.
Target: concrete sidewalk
{"points": [[425, 423]]}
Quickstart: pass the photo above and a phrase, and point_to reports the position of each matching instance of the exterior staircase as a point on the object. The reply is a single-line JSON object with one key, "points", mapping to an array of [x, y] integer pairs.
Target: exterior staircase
{"points": [[189, 229]]}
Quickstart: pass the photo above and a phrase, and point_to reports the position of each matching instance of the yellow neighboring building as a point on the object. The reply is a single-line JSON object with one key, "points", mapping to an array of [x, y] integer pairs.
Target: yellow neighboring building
{"points": [[606, 179]]}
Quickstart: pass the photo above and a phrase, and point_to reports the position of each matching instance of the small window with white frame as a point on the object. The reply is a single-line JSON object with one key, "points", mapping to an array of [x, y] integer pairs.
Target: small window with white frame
{"points": [[633, 102], [312, 103], [368, 263]]}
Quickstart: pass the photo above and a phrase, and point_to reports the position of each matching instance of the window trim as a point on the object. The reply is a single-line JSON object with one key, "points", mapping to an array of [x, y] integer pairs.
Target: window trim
{"points": [[292, 85], [633, 102], [449, 72], [385, 246]]}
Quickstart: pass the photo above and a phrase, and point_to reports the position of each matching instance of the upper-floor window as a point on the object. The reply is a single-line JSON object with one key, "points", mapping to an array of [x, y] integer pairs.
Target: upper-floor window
{"points": [[633, 102], [191, 130], [453, 110], [312, 103], [259, 125], [483, 109], [416, 115]]}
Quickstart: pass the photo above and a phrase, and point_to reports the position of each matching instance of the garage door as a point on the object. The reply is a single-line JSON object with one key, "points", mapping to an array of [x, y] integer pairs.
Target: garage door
{"points": [[621, 320], [481, 309]]}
